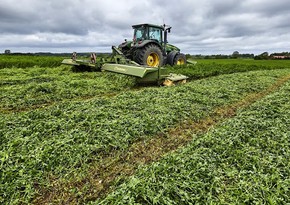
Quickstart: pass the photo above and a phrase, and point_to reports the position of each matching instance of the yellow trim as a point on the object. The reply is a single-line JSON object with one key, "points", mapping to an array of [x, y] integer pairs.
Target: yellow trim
{"points": [[153, 60], [180, 61]]}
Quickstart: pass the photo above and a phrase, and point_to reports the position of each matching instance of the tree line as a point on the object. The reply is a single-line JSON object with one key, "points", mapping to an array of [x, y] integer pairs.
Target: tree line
{"points": [[236, 55]]}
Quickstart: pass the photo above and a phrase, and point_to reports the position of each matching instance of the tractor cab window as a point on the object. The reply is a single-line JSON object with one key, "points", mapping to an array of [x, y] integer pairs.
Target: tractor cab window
{"points": [[155, 33], [140, 33]]}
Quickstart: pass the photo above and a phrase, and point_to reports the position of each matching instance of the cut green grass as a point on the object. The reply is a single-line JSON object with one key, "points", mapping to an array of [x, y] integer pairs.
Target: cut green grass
{"points": [[25, 89], [45, 147], [245, 160]]}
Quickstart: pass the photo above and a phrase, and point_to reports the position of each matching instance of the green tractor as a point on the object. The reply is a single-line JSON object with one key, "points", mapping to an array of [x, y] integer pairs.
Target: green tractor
{"points": [[150, 47], [144, 57]]}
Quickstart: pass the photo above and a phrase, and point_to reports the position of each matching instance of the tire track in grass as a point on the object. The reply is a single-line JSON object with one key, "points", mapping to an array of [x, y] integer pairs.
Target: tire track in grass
{"points": [[119, 165], [53, 103], [64, 86]]}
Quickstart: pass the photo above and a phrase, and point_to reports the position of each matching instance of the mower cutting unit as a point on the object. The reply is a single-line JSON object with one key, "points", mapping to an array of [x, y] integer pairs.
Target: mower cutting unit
{"points": [[143, 57]]}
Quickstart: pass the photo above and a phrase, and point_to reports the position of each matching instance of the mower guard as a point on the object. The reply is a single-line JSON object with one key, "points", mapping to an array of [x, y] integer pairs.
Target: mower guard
{"points": [[132, 70], [78, 62]]}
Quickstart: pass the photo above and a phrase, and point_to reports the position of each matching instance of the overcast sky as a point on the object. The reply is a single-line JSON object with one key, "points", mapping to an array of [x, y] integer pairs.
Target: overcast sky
{"points": [[198, 26]]}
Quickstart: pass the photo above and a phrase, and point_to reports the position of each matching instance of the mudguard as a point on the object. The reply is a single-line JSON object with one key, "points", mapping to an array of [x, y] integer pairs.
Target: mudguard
{"points": [[171, 56]]}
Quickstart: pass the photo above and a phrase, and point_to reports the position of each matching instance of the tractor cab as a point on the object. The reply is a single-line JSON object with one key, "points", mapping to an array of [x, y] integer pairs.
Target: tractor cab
{"points": [[147, 32]]}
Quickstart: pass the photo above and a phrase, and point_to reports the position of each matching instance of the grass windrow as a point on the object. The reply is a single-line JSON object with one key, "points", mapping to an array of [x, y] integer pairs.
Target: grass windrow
{"points": [[245, 160]]}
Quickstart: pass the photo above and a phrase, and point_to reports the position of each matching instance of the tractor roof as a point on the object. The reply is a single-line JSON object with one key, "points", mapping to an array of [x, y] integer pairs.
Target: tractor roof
{"points": [[147, 25]]}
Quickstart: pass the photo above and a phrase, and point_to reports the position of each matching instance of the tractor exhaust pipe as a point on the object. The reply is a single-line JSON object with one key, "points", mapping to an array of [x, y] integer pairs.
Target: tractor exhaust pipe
{"points": [[166, 31]]}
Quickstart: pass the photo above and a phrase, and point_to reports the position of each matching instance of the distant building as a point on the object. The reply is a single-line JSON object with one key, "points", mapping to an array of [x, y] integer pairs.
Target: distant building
{"points": [[281, 57]]}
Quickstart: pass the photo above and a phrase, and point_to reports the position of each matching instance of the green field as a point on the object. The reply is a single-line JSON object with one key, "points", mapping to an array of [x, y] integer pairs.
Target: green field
{"points": [[27, 61], [98, 138]]}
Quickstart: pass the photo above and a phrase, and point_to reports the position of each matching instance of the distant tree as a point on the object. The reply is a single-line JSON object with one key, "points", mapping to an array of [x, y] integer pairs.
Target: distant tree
{"points": [[220, 56], [7, 51], [188, 55], [235, 54], [198, 56], [262, 56]]}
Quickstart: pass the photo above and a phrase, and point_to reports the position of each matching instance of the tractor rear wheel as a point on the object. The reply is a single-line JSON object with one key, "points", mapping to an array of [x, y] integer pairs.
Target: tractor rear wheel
{"points": [[150, 55], [180, 59]]}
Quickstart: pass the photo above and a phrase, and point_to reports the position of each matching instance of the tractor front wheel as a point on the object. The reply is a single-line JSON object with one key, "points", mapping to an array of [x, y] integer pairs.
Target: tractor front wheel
{"points": [[180, 59], [150, 55]]}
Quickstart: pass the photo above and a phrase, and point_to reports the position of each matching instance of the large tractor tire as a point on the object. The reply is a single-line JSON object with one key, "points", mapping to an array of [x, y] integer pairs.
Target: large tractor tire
{"points": [[179, 59], [150, 55]]}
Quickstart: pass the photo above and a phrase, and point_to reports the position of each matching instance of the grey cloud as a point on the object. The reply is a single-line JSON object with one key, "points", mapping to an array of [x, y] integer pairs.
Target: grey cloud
{"points": [[197, 26], [267, 8], [50, 16]]}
